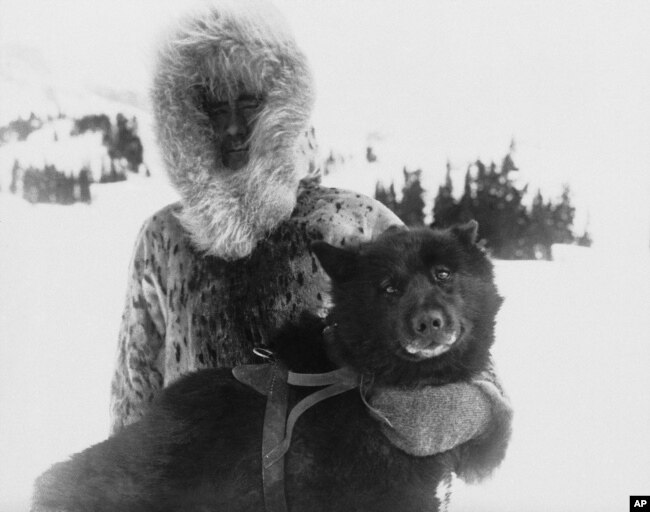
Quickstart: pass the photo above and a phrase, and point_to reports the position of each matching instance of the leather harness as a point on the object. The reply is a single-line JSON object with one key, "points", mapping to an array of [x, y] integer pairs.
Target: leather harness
{"points": [[273, 381]]}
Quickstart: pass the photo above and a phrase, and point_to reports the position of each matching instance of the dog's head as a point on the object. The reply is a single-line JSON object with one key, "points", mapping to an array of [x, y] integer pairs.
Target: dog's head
{"points": [[412, 307]]}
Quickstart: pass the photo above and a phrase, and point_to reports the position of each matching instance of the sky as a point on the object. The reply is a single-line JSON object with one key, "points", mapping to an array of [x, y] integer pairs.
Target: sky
{"points": [[428, 81]]}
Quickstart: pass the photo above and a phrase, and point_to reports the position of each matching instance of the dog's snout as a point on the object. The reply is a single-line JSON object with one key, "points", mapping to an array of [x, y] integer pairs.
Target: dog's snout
{"points": [[428, 322]]}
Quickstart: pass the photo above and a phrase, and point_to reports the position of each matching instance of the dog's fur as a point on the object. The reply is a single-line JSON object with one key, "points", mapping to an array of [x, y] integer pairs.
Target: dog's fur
{"points": [[468, 301], [198, 448], [216, 54]]}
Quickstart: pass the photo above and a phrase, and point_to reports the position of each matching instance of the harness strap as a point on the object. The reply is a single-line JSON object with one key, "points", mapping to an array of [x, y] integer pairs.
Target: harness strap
{"points": [[273, 434], [273, 381], [277, 453], [323, 379]]}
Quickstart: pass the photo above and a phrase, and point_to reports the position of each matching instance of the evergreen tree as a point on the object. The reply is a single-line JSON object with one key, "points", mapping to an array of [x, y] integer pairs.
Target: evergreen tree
{"points": [[94, 123], [411, 209], [499, 211], [84, 186], [13, 187], [562, 215], [387, 196], [70, 199], [540, 228], [466, 205], [444, 205], [20, 128], [126, 144], [61, 181], [50, 178], [30, 185], [446, 210], [585, 240], [508, 165]]}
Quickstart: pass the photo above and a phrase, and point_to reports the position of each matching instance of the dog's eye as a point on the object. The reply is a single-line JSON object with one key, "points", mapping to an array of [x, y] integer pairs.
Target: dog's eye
{"points": [[442, 273], [389, 288]]}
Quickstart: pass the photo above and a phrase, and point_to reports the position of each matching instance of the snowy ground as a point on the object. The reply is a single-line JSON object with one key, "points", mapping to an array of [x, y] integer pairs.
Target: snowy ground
{"points": [[573, 350]]}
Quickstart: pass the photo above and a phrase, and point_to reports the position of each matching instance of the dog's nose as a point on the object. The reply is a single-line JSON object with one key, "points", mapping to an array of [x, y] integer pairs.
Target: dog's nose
{"points": [[428, 322]]}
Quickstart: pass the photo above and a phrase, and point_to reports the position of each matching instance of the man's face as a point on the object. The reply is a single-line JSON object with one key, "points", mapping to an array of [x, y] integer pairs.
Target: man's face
{"points": [[233, 122]]}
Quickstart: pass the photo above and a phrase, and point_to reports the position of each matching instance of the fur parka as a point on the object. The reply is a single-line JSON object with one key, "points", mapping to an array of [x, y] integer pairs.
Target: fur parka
{"points": [[215, 55], [219, 272]]}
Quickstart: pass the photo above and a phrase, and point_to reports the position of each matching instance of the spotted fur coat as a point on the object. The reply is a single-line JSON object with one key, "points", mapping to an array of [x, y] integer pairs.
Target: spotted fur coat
{"points": [[186, 310]]}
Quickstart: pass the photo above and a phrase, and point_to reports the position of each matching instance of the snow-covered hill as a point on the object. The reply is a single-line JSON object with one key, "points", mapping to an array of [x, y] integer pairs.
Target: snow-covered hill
{"points": [[572, 349], [30, 87]]}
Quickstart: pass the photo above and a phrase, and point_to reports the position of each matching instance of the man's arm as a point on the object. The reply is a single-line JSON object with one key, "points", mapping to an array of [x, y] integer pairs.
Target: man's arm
{"points": [[470, 421], [139, 367]]}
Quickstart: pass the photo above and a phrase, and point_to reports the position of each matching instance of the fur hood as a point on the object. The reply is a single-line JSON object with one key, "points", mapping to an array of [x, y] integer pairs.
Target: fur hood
{"points": [[218, 53]]}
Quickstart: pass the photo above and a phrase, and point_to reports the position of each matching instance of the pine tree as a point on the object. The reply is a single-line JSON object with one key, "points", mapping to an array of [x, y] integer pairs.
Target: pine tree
{"points": [[13, 187], [50, 179], [539, 235], [467, 203], [387, 196], [585, 239], [498, 207], [84, 186], [31, 185], [61, 185], [411, 209], [563, 214], [70, 199], [445, 207], [126, 144]]}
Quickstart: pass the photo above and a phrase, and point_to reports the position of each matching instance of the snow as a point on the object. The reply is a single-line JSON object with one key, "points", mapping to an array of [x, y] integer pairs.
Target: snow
{"points": [[572, 350], [63, 272]]}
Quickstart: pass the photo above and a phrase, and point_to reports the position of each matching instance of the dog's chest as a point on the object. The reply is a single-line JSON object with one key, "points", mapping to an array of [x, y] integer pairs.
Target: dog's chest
{"points": [[340, 458]]}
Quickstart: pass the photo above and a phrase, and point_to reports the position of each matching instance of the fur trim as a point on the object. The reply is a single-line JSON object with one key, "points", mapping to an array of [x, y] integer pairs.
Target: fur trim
{"points": [[219, 52]]}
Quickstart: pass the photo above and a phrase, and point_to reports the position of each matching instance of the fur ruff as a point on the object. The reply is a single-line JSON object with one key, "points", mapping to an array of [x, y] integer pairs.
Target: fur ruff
{"points": [[217, 53]]}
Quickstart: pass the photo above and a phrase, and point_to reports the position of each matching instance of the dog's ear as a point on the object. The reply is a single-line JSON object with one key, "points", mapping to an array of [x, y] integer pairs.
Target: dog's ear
{"points": [[339, 264], [467, 233]]}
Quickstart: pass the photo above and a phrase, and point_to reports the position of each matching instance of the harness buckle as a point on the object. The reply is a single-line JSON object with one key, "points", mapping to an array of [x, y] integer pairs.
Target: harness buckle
{"points": [[264, 353]]}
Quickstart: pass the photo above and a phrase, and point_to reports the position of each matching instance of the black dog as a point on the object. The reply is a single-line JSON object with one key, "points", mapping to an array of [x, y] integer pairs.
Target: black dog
{"points": [[412, 308]]}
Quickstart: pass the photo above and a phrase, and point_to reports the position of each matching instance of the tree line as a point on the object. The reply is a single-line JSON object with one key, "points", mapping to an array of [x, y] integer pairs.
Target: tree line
{"points": [[123, 145], [51, 185], [507, 227]]}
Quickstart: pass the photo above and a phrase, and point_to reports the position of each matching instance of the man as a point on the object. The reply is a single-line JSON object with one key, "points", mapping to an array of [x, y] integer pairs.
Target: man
{"points": [[218, 273]]}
